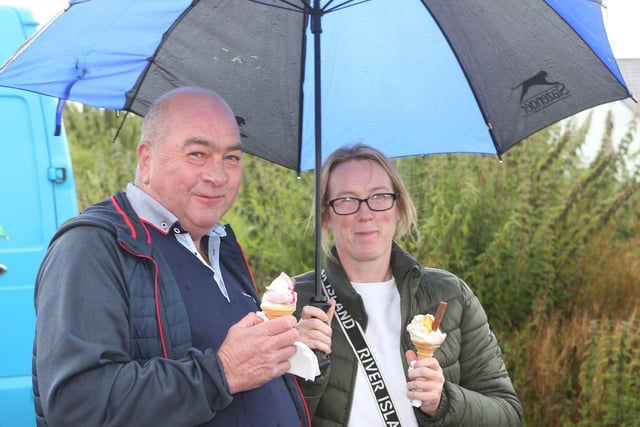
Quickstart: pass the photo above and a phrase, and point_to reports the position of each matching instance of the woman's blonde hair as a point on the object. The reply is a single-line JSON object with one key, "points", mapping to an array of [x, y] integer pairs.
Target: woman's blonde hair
{"points": [[406, 208]]}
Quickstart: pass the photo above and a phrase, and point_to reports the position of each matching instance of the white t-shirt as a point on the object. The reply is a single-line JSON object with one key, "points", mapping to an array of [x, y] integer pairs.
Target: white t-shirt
{"points": [[382, 302]]}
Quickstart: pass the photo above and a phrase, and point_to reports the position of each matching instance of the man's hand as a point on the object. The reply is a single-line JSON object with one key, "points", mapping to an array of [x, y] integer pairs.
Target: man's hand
{"points": [[255, 352], [425, 382], [315, 327]]}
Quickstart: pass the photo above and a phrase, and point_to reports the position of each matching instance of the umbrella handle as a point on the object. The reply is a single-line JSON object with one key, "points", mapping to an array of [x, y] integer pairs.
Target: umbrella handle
{"points": [[323, 358]]}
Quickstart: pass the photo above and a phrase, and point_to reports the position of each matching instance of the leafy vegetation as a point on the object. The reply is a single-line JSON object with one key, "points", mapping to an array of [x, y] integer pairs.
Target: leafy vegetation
{"points": [[548, 242], [103, 150]]}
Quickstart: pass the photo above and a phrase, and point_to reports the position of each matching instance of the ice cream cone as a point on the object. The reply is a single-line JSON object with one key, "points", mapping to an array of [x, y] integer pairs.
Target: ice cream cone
{"points": [[279, 298], [274, 312], [425, 349]]}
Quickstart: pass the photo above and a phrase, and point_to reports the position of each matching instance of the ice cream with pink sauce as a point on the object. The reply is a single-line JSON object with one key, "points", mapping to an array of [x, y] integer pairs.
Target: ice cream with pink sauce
{"points": [[280, 297]]}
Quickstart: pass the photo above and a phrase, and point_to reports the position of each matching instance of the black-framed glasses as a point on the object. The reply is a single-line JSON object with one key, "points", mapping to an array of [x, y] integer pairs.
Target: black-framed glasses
{"points": [[349, 205]]}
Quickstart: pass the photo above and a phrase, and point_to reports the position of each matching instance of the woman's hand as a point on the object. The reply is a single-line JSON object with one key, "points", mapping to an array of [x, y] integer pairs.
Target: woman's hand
{"points": [[426, 381], [314, 327]]}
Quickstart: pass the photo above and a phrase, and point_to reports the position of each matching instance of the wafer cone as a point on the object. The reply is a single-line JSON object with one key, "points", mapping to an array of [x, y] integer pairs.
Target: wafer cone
{"points": [[425, 349], [274, 312]]}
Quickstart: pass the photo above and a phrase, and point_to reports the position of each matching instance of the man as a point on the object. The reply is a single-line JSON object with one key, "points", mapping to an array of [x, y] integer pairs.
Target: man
{"points": [[145, 304]]}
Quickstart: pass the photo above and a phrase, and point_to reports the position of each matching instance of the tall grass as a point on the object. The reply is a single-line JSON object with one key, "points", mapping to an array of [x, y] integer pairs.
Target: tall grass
{"points": [[581, 366], [577, 371]]}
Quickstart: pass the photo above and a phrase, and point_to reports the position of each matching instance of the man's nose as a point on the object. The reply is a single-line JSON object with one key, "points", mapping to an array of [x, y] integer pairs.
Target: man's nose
{"points": [[215, 172]]}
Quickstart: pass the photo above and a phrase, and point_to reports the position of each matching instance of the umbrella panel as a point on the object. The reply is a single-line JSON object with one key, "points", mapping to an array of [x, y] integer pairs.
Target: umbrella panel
{"points": [[213, 46]]}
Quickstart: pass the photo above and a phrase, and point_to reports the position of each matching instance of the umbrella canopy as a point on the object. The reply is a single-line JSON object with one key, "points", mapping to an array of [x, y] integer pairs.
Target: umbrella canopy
{"points": [[408, 77]]}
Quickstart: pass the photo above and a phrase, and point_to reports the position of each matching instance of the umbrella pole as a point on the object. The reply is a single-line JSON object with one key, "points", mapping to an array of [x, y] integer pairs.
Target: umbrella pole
{"points": [[319, 299]]}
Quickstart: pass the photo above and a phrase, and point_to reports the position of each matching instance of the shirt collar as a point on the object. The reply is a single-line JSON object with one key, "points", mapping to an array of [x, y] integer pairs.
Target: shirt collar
{"points": [[152, 211]]}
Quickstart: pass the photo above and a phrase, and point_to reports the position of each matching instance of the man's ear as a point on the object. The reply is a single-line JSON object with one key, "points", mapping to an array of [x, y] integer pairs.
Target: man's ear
{"points": [[144, 161]]}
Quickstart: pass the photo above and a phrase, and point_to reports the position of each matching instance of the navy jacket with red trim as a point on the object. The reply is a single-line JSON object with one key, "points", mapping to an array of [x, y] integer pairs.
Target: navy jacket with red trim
{"points": [[113, 341]]}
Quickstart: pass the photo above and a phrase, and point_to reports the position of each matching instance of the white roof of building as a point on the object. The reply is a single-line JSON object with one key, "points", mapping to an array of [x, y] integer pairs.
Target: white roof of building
{"points": [[630, 69]]}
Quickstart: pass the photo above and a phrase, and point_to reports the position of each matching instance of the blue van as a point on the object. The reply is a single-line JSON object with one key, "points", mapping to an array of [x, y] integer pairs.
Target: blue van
{"points": [[37, 193]]}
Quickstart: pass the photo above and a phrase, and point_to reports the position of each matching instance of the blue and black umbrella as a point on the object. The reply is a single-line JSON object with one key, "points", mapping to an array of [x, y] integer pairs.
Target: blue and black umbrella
{"points": [[406, 76]]}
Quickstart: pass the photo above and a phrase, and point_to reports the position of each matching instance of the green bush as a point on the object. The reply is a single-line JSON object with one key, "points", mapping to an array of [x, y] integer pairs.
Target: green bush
{"points": [[103, 150]]}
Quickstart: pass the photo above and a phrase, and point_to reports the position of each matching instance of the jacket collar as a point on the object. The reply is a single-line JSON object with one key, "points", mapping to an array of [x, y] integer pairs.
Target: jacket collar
{"points": [[405, 268]]}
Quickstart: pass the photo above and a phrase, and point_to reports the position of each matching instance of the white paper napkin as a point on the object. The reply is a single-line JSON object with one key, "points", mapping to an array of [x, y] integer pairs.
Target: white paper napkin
{"points": [[414, 402], [304, 362]]}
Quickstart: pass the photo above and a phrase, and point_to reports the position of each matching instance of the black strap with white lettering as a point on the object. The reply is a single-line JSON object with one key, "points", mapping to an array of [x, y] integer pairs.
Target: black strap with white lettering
{"points": [[355, 337]]}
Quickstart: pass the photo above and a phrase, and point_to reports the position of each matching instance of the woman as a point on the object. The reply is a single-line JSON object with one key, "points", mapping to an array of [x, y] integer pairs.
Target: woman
{"points": [[379, 287]]}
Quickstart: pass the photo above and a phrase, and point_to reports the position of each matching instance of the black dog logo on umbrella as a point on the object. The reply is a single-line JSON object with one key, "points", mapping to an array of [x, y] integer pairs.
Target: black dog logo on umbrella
{"points": [[538, 79]]}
